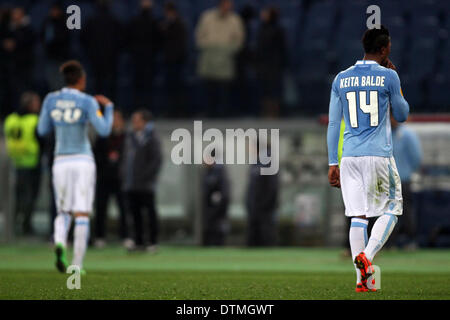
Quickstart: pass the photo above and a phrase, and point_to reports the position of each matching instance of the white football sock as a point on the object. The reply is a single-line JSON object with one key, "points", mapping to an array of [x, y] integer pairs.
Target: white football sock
{"points": [[358, 240], [81, 236], [381, 231], [61, 227]]}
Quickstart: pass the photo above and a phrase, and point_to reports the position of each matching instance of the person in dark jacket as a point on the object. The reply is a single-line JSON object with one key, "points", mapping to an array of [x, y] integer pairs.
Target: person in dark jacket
{"points": [[48, 153], [244, 65], [55, 37], [262, 203], [109, 155], [102, 39], [174, 44], [140, 170], [215, 201], [143, 41], [16, 57], [270, 61]]}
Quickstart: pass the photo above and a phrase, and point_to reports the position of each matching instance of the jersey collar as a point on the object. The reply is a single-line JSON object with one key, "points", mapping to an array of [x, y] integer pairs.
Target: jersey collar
{"points": [[66, 89], [366, 62]]}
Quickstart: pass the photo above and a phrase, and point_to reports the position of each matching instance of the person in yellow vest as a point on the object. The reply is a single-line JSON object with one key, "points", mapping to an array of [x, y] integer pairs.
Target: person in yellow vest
{"points": [[24, 150]]}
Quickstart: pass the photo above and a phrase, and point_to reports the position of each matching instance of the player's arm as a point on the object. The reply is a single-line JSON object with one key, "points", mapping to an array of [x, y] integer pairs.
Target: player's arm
{"points": [[414, 151], [45, 124], [334, 127], [101, 122], [400, 107]]}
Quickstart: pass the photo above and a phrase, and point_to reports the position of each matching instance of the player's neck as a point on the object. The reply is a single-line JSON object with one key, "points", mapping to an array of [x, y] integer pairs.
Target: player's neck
{"points": [[74, 87], [373, 57]]}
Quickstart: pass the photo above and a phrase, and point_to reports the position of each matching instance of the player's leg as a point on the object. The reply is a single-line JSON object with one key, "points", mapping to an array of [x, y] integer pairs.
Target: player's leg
{"points": [[355, 206], [380, 233], [63, 219], [383, 192], [387, 204], [80, 238], [358, 241], [84, 191]]}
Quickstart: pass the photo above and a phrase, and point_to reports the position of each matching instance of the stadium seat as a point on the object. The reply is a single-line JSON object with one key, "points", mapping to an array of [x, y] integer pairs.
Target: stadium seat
{"points": [[413, 92], [424, 26], [121, 11], [38, 12], [422, 67], [445, 67], [313, 62], [438, 93], [314, 96], [423, 7], [347, 55], [290, 27], [390, 9]]}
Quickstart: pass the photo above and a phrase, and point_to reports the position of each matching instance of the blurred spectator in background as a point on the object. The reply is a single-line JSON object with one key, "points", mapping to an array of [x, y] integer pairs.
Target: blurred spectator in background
{"points": [[244, 65], [174, 47], [408, 157], [5, 98], [25, 152], [215, 200], [219, 36], [16, 57], [56, 41], [143, 42], [270, 61], [101, 37], [48, 150], [109, 155], [261, 203], [141, 166]]}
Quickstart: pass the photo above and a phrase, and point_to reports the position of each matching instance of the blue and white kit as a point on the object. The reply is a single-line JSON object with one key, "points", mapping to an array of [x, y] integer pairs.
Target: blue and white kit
{"points": [[363, 95], [67, 112]]}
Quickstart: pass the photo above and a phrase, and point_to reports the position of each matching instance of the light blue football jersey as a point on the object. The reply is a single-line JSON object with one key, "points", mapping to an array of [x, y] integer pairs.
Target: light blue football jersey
{"points": [[68, 111], [362, 95]]}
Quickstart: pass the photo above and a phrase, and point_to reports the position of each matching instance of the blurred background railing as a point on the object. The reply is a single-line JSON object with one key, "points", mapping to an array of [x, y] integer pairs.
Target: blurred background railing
{"points": [[310, 213]]}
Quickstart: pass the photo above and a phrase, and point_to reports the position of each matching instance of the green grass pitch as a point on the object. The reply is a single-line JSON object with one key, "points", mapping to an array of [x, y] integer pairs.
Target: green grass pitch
{"points": [[27, 272]]}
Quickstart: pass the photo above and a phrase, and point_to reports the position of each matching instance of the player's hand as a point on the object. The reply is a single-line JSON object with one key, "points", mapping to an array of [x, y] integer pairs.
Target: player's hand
{"points": [[102, 100], [388, 64], [334, 176]]}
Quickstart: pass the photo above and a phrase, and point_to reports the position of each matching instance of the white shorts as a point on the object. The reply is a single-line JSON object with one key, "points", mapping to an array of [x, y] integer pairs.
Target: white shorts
{"points": [[74, 183], [370, 186]]}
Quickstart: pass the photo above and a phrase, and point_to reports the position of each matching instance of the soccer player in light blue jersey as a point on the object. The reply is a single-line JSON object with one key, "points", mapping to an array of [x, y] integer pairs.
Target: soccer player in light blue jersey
{"points": [[67, 112], [364, 95]]}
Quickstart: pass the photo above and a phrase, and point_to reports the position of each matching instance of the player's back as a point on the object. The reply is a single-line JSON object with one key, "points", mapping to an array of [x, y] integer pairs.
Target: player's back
{"points": [[365, 91], [68, 111]]}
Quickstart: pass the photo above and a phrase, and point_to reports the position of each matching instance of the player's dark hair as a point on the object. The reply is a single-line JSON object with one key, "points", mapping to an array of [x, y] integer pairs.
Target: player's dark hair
{"points": [[72, 72], [375, 39]]}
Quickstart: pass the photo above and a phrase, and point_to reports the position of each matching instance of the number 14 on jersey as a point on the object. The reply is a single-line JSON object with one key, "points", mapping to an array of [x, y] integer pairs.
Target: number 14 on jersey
{"points": [[370, 108]]}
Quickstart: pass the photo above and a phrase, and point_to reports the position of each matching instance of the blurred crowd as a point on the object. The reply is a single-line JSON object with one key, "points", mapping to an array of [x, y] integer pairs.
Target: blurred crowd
{"points": [[128, 165], [218, 58], [239, 71], [151, 44]]}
